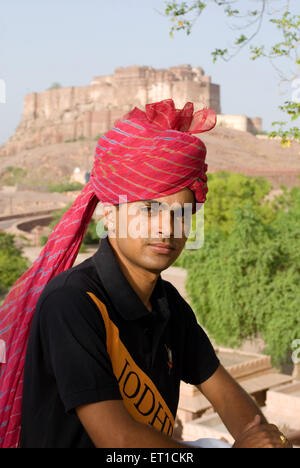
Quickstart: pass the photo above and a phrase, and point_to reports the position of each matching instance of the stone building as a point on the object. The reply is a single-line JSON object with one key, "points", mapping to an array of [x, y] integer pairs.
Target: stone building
{"points": [[63, 114]]}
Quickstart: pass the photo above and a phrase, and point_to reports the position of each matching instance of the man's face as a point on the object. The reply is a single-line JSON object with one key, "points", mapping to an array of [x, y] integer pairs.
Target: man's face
{"points": [[151, 234]]}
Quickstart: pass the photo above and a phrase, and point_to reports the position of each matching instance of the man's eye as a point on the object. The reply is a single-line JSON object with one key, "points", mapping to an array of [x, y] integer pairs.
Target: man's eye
{"points": [[144, 209], [153, 210]]}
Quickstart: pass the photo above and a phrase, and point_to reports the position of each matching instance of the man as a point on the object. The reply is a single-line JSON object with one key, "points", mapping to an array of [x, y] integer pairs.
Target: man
{"points": [[97, 372], [110, 341]]}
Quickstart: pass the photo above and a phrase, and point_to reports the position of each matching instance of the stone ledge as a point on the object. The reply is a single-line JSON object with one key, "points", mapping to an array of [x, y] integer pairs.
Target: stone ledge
{"points": [[212, 426], [239, 364], [285, 400]]}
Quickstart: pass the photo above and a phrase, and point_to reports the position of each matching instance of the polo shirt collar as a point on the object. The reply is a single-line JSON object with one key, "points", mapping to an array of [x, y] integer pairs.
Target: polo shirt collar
{"points": [[120, 292]]}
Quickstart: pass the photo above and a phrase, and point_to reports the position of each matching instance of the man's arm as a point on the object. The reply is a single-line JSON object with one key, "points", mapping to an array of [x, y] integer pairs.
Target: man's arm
{"points": [[109, 425], [238, 411], [233, 404]]}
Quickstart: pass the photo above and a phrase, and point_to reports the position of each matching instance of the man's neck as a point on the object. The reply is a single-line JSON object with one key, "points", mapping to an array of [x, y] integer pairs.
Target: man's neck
{"points": [[142, 281]]}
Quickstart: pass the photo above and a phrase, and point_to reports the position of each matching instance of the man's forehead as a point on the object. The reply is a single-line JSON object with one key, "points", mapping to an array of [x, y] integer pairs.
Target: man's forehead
{"points": [[183, 196], [160, 202]]}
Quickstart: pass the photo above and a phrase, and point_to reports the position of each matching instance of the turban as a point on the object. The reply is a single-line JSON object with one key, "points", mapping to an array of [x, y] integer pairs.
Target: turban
{"points": [[148, 154]]}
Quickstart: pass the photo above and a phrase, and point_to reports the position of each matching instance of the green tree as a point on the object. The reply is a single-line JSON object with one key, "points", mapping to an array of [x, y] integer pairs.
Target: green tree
{"points": [[229, 190], [283, 54], [55, 85], [247, 280], [12, 263]]}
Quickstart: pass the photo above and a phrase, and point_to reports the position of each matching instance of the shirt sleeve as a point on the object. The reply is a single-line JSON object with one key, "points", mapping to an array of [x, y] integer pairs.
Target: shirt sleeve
{"points": [[74, 339], [200, 360]]}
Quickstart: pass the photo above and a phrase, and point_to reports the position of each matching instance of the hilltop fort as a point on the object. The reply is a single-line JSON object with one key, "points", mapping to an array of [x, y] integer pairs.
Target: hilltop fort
{"points": [[71, 113]]}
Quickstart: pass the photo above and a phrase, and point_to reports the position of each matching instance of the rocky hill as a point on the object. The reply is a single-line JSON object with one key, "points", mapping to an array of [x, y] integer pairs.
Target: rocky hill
{"points": [[228, 149]]}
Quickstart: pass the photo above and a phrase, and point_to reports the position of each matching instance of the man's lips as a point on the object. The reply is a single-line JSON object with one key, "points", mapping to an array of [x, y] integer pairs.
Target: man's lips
{"points": [[162, 248]]}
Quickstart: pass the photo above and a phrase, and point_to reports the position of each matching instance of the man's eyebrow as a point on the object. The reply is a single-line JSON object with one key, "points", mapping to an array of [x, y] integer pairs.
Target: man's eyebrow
{"points": [[151, 201]]}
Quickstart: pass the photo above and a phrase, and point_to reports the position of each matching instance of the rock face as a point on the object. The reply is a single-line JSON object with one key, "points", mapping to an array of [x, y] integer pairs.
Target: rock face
{"points": [[57, 115]]}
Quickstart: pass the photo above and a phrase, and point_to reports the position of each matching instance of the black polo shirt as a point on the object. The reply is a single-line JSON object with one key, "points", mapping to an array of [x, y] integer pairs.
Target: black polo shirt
{"points": [[92, 339]]}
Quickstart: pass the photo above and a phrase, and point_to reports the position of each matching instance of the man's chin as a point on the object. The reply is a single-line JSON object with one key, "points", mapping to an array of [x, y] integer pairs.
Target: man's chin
{"points": [[156, 265]]}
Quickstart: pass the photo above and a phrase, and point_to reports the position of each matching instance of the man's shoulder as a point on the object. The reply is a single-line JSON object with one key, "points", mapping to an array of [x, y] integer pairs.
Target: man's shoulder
{"points": [[73, 283]]}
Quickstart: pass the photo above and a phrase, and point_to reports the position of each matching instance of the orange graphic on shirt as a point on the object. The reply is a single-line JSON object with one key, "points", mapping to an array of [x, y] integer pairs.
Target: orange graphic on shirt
{"points": [[141, 397]]}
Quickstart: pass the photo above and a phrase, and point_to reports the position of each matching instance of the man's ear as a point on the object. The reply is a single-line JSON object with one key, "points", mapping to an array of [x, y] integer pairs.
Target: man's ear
{"points": [[109, 217]]}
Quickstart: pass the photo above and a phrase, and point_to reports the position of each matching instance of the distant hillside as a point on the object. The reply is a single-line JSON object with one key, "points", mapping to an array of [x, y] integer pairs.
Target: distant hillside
{"points": [[228, 149]]}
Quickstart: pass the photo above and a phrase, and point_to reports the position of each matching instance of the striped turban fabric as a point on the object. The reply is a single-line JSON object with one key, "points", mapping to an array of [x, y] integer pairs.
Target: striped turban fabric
{"points": [[148, 154]]}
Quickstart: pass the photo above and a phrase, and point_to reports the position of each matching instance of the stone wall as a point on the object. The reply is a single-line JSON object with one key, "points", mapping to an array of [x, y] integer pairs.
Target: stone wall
{"points": [[57, 115], [240, 122]]}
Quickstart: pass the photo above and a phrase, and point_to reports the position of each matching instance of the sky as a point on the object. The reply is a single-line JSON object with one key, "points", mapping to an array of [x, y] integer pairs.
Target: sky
{"points": [[71, 41]]}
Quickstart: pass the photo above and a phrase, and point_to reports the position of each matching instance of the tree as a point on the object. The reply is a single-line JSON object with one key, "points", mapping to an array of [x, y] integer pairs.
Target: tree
{"points": [[248, 23], [229, 190], [55, 85], [12, 263], [247, 281]]}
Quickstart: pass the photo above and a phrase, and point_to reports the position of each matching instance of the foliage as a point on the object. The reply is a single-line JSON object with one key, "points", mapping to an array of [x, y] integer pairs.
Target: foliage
{"points": [[98, 136], [228, 190], [12, 264], [183, 16], [66, 187], [72, 140], [288, 199], [247, 280], [55, 85], [13, 175]]}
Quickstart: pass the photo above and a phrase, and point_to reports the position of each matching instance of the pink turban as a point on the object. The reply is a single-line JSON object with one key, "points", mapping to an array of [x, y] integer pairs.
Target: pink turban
{"points": [[147, 155]]}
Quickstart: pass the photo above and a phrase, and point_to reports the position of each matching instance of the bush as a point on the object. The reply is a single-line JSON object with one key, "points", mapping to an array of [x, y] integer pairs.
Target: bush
{"points": [[66, 187], [226, 191], [12, 264], [72, 140], [248, 280], [55, 85], [13, 175]]}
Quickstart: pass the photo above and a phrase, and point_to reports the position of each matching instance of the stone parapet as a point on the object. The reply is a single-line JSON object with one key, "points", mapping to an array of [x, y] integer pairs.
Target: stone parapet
{"points": [[240, 122]]}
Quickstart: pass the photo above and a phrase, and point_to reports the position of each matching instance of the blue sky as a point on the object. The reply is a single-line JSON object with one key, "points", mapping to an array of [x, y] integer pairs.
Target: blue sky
{"points": [[71, 41]]}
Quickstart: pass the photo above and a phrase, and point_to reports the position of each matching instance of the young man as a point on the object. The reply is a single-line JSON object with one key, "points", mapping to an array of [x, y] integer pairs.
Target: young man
{"points": [[110, 341]]}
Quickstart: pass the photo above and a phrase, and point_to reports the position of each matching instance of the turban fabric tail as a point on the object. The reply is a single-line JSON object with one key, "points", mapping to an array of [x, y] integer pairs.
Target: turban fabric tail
{"points": [[148, 154]]}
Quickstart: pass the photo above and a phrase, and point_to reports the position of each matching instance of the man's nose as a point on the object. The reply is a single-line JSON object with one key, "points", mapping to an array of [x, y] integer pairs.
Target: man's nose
{"points": [[164, 223]]}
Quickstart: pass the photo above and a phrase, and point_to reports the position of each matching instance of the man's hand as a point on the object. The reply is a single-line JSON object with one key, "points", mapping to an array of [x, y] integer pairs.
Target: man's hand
{"points": [[257, 435], [294, 437]]}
